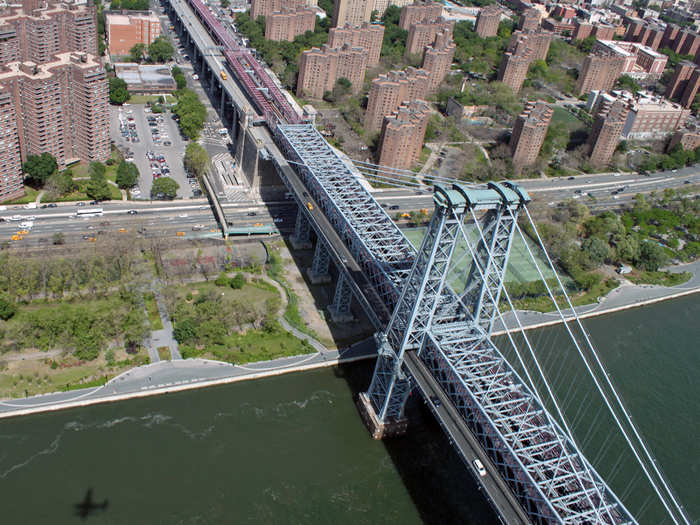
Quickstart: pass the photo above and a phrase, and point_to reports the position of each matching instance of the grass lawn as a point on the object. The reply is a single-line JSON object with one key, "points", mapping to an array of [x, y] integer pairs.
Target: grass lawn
{"points": [[38, 376], [660, 278], [152, 309], [29, 196], [253, 346], [544, 304], [562, 116]]}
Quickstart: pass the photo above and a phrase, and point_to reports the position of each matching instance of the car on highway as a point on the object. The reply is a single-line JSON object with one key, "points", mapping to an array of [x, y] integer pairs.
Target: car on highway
{"points": [[394, 207], [52, 205], [479, 467], [195, 76], [80, 204], [686, 182], [435, 400], [309, 206], [252, 214], [132, 212]]}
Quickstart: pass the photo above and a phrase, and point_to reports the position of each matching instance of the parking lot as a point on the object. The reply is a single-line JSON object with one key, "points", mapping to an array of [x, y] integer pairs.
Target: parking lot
{"points": [[155, 146]]}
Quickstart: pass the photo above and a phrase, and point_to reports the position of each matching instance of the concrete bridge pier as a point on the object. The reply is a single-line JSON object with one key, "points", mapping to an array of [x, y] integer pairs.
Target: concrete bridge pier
{"points": [[340, 308], [301, 240], [318, 273]]}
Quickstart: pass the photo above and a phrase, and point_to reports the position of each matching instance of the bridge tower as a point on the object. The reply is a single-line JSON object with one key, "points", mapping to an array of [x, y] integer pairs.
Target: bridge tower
{"points": [[427, 304]]}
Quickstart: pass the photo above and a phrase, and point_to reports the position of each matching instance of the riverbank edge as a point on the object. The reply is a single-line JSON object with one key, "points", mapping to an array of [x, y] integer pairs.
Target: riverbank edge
{"points": [[300, 368]]}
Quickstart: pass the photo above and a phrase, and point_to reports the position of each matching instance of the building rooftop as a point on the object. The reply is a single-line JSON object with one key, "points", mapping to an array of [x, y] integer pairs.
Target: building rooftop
{"points": [[136, 75], [32, 70]]}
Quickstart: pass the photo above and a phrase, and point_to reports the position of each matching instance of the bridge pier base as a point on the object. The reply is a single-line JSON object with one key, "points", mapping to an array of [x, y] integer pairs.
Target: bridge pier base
{"points": [[340, 309], [378, 429], [318, 273], [301, 240]]}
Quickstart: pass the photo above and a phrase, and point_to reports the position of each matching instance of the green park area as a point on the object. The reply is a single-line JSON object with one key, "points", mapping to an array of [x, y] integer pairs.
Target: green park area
{"points": [[231, 319]]}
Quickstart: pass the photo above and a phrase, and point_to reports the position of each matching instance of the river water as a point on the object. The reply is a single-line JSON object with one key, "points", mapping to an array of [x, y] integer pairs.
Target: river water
{"points": [[293, 449]]}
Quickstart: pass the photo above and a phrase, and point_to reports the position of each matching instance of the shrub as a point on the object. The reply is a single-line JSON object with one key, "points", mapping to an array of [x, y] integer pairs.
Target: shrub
{"points": [[7, 308], [238, 281], [222, 280]]}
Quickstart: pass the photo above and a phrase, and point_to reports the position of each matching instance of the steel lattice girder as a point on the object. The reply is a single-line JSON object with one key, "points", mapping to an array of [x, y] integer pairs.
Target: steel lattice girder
{"points": [[534, 471]]}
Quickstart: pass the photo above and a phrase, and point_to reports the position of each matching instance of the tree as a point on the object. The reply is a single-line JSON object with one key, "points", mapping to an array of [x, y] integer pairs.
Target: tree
{"points": [[160, 50], [118, 92], [38, 168], [127, 174], [165, 188], [196, 158], [342, 88], [225, 3], [136, 53], [628, 83], [58, 239], [7, 308], [587, 44], [97, 187], [597, 250], [238, 281], [651, 256]]}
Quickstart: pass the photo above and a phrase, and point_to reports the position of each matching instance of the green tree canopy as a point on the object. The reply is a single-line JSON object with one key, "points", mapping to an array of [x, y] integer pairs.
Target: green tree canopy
{"points": [[166, 187], [196, 158], [127, 174], [137, 52], [118, 93], [628, 83], [160, 50], [7, 308], [97, 187], [38, 168], [652, 256]]}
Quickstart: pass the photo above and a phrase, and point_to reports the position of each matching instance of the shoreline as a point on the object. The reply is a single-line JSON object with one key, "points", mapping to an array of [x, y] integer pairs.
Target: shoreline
{"points": [[247, 374]]}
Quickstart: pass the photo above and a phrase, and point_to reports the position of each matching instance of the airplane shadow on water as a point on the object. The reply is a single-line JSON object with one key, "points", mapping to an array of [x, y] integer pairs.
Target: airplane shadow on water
{"points": [[88, 507]]}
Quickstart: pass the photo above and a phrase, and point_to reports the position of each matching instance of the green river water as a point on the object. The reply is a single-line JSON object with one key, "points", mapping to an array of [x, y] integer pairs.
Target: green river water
{"points": [[292, 449]]}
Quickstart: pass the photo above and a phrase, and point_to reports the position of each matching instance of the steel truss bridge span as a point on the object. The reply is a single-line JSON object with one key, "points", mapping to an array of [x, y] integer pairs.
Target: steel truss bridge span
{"points": [[450, 332]]}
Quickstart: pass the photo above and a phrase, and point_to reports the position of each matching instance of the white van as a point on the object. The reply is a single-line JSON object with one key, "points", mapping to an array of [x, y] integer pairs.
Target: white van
{"points": [[479, 466]]}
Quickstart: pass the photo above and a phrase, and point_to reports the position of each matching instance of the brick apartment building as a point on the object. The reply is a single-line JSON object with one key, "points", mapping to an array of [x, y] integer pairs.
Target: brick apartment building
{"points": [[11, 178], [583, 30], [488, 20], [61, 107], [437, 59], [529, 131], [367, 36], [402, 135], [649, 34], [267, 7], [320, 69], [537, 41], [124, 31], [649, 116], [599, 73], [33, 34], [513, 69], [530, 19], [387, 92], [640, 61], [289, 23], [416, 13], [684, 83], [356, 12], [606, 131], [422, 34]]}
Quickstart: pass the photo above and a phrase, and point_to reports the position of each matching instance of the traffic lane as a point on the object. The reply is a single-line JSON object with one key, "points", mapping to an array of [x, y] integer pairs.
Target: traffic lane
{"points": [[469, 447]]}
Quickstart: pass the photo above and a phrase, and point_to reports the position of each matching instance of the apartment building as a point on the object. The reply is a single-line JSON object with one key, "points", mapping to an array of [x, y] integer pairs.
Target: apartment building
{"points": [[267, 7], [61, 107], [513, 69], [537, 41], [367, 36], [422, 34], [355, 12], [684, 83], [387, 92], [529, 132], [416, 13], [689, 140], [289, 23], [640, 61], [402, 135], [599, 73], [487, 21], [530, 19], [649, 116], [125, 31], [11, 177], [320, 69], [437, 59], [32, 34], [606, 131], [583, 30]]}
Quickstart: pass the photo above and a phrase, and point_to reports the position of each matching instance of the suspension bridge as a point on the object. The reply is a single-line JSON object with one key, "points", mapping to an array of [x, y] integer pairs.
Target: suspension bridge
{"points": [[435, 309]]}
